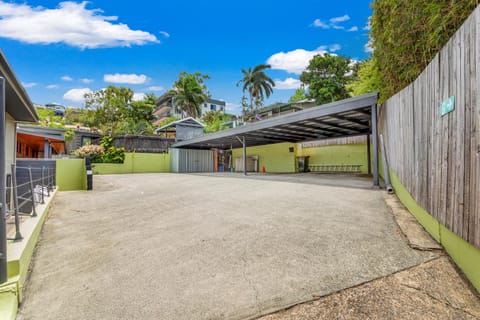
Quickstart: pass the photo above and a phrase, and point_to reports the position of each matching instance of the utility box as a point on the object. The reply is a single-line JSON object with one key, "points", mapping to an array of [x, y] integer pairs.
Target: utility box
{"points": [[302, 164]]}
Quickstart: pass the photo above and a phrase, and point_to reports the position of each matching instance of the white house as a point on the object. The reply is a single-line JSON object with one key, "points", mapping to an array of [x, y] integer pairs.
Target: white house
{"points": [[165, 108]]}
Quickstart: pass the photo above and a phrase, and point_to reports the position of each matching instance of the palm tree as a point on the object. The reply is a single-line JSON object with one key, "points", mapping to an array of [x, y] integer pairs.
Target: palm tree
{"points": [[188, 94], [257, 83]]}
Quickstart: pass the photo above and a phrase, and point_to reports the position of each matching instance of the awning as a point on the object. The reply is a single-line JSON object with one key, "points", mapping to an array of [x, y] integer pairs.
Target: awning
{"points": [[345, 118]]}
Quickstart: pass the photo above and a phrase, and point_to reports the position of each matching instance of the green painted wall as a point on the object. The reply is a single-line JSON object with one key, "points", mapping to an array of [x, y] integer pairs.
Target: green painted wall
{"points": [[136, 163], [466, 256], [338, 154], [274, 157], [71, 174]]}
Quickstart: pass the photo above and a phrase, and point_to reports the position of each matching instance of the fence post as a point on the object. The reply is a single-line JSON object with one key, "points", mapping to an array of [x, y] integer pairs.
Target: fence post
{"points": [[32, 191], [18, 235], [43, 184], [48, 181]]}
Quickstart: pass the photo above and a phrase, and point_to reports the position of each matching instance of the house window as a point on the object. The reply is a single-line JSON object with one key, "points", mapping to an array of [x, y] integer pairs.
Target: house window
{"points": [[213, 107], [86, 140]]}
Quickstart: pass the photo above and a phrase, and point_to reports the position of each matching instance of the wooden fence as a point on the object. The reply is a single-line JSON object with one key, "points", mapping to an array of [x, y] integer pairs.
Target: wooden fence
{"points": [[437, 158]]}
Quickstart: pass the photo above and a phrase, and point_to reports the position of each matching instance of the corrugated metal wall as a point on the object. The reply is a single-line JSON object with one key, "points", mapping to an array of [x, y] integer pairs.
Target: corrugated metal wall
{"points": [[190, 160]]}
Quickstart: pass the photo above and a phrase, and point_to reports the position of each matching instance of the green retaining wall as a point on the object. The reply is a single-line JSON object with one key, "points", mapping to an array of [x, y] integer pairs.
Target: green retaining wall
{"points": [[19, 256], [466, 256], [274, 157], [338, 154], [71, 174], [136, 163]]}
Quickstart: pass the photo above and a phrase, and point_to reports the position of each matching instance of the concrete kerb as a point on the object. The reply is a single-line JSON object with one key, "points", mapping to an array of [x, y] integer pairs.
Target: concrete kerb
{"points": [[19, 256]]}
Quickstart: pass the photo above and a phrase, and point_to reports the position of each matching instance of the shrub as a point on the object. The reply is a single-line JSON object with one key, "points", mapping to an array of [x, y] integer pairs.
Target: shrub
{"points": [[92, 151]]}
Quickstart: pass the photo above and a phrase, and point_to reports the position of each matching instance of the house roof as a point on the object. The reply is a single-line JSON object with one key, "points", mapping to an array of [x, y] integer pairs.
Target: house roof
{"points": [[215, 101], [348, 117], [18, 103], [188, 122], [44, 132]]}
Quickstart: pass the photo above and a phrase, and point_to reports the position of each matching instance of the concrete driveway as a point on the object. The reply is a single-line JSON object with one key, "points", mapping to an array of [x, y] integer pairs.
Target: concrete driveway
{"points": [[172, 246]]}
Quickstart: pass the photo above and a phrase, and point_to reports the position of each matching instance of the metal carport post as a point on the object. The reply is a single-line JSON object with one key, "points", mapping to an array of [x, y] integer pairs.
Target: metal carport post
{"points": [[242, 141], [375, 146]]}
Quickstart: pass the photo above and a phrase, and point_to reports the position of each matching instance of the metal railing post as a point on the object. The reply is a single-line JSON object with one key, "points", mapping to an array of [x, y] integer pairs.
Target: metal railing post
{"points": [[18, 235], [32, 191], [48, 182], [43, 184]]}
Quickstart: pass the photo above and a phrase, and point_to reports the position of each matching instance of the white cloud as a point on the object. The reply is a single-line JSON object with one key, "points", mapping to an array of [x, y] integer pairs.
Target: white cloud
{"points": [[333, 23], [125, 78], [29, 84], [331, 47], [368, 47], [52, 86], [297, 60], [353, 29], [320, 24], [137, 96], [340, 19], [76, 95], [155, 88], [165, 34], [66, 78], [70, 23], [287, 84], [368, 26], [87, 80]]}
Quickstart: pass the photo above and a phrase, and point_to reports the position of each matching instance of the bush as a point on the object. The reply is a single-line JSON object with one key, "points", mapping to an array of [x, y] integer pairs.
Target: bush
{"points": [[408, 33], [104, 153], [92, 151]]}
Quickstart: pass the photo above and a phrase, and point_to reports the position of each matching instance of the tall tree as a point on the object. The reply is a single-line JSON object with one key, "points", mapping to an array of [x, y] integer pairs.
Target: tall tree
{"points": [[139, 116], [189, 92], [368, 78], [327, 77], [110, 107], [299, 94], [257, 84]]}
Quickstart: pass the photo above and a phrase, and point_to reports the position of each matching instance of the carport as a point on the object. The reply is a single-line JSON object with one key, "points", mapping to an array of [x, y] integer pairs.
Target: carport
{"points": [[345, 118]]}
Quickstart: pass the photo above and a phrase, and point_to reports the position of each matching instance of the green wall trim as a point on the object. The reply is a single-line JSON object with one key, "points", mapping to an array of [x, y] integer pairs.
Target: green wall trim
{"points": [[274, 157], [338, 154], [71, 174], [136, 163], [8, 305], [466, 256], [19, 258]]}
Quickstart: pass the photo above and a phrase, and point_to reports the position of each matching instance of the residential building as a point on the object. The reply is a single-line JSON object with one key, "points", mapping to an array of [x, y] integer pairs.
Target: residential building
{"points": [[39, 142], [18, 108], [165, 108]]}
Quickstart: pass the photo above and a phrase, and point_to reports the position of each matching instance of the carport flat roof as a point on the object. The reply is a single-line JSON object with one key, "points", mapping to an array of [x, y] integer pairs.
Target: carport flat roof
{"points": [[344, 118]]}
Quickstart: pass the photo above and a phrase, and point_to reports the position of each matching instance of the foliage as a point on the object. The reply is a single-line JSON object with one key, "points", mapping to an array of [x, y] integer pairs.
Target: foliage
{"points": [[327, 77], [299, 95], [368, 78], [138, 116], [111, 154], [103, 153], [48, 118], [189, 92], [111, 107], [214, 121], [257, 84], [408, 33], [92, 151], [167, 121]]}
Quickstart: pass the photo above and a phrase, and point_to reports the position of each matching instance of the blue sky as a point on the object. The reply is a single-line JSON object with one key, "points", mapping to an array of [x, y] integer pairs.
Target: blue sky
{"points": [[59, 50]]}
